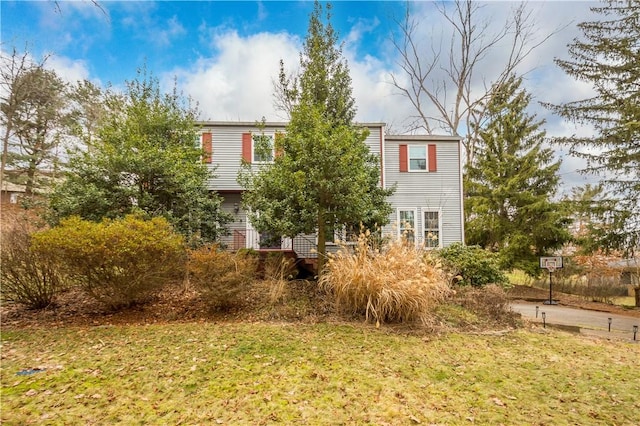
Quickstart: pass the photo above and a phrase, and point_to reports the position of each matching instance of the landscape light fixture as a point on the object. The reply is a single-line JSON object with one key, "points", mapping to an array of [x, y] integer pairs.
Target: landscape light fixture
{"points": [[635, 331], [544, 320], [236, 208], [609, 319], [537, 307]]}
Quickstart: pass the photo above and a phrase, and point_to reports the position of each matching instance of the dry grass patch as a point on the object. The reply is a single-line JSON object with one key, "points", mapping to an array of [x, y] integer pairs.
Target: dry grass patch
{"points": [[396, 283]]}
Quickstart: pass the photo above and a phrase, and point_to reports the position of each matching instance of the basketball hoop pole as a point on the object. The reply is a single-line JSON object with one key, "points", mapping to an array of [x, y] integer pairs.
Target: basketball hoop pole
{"points": [[551, 264], [550, 288]]}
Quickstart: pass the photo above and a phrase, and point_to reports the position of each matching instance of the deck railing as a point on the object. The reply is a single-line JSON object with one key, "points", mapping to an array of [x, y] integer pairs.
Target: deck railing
{"points": [[305, 246]]}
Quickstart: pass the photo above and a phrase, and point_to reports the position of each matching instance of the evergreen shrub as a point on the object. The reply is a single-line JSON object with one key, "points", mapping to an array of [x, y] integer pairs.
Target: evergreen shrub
{"points": [[118, 262], [472, 266]]}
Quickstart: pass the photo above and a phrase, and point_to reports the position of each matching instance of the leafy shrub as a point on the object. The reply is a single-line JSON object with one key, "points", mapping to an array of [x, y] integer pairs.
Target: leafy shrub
{"points": [[118, 262], [222, 277], [472, 265], [29, 276], [394, 283]]}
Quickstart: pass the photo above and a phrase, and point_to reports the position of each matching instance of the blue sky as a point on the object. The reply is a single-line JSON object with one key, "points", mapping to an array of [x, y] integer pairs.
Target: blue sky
{"points": [[225, 54], [114, 41]]}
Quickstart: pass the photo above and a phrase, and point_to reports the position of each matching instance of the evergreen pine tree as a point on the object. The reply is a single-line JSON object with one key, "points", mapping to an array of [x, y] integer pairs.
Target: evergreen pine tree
{"points": [[511, 185], [608, 57], [326, 177]]}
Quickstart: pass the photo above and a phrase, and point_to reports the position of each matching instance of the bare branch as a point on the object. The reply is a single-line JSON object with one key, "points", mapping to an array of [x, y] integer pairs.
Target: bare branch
{"points": [[450, 93]]}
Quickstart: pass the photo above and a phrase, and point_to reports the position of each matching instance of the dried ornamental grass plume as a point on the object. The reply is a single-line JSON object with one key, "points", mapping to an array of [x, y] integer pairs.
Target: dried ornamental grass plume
{"points": [[397, 283], [278, 269]]}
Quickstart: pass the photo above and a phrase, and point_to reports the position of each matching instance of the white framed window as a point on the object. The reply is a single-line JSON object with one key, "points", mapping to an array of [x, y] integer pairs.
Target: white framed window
{"points": [[407, 224], [262, 149], [417, 158], [431, 229]]}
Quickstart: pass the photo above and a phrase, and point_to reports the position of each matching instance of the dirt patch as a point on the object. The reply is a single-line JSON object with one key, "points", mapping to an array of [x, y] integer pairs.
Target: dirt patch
{"points": [[534, 294]]}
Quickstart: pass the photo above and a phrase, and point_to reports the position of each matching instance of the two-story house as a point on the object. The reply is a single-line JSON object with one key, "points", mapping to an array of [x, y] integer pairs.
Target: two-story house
{"points": [[426, 170]]}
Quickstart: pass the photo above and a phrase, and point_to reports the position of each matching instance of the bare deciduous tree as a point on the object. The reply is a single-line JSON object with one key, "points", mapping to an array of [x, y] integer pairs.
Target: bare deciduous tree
{"points": [[14, 90], [445, 85]]}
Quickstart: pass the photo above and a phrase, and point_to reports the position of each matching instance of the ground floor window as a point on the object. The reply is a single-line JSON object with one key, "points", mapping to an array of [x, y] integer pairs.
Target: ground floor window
{"points": [[431, 227], [407, 225]]}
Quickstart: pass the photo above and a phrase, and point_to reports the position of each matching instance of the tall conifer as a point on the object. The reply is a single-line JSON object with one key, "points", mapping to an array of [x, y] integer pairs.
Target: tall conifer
{"points": [[608, 57], [511, 185], [326, 177]]}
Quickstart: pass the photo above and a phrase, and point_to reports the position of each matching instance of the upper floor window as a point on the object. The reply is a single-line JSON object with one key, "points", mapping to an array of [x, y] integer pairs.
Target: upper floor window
{"points": [[417, 158], [263, 149]]}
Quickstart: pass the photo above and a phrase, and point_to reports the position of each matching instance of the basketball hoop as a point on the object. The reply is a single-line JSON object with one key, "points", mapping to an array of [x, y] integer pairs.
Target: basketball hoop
{"points": [[550, 265]]}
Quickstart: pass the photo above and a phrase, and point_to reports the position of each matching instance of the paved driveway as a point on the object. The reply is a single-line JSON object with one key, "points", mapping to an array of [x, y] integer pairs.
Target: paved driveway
{"points": [[588, 322]]}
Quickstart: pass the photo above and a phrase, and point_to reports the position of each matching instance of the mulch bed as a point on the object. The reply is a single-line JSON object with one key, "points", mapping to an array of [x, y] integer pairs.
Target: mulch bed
{"points": [[305, 303], [174, 304]]}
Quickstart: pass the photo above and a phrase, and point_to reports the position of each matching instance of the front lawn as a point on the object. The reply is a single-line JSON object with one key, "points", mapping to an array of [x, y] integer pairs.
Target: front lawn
{"points": [[328, 373]]}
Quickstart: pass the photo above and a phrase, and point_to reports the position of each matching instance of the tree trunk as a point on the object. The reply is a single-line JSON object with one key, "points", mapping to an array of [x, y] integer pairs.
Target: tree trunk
{"points": [[5, 151], [31, 178], [636, 291], [322, 241]]}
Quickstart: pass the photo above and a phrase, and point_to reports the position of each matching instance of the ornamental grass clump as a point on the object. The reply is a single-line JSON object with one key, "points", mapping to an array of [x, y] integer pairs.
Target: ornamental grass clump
{"points": [[395, 283], [278, 270]]}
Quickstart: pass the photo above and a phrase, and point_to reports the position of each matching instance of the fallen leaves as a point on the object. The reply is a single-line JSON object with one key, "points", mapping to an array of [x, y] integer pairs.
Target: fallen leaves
{"points": [[498, 402]]}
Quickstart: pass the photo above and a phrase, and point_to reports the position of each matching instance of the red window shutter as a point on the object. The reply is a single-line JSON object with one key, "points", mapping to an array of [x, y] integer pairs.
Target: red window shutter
{"points": [[278, 148], [207, 147], [404, 165], [433, 162], [246, 147]]}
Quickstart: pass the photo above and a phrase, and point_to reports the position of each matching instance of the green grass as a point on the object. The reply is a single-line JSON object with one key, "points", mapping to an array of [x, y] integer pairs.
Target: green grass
{"points": [[627, 301], [241, 373]]}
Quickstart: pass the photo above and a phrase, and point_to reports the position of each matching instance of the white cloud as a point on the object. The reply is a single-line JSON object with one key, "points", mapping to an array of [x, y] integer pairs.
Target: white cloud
{"points": [[173, 29], [236, 83], [69, 70], [360, 27]]}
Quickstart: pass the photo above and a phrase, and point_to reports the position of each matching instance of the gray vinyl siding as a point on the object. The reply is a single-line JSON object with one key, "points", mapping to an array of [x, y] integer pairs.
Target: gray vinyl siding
{"points": [[227, 148], [427, 191], [227, 151], [373, 141]]}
